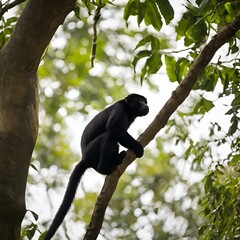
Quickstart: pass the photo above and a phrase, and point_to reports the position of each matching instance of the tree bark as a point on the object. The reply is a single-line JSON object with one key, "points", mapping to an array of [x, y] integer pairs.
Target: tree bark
{"points": [[19, 61], [177, 98]]}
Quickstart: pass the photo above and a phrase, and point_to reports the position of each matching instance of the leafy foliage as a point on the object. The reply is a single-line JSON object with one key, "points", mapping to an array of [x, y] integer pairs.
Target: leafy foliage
{"points": [[150, 11], [6, 29], [30, 230], [153, 62], [221, 202]]}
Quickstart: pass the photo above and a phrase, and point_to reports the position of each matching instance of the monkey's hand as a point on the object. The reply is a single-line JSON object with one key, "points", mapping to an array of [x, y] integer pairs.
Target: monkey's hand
{"points": [[138, 149]]}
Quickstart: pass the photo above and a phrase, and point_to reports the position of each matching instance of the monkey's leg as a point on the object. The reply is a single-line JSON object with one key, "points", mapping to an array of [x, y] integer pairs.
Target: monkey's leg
{"points": [[108, 154], [120, 157]]}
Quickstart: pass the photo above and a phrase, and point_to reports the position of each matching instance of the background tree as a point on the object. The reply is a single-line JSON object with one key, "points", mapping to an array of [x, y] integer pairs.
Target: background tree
{"points": [[157, 198]]}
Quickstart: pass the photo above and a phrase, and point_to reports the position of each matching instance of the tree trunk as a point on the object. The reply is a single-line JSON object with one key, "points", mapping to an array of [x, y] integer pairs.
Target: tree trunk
{"points": [[19, 61]]}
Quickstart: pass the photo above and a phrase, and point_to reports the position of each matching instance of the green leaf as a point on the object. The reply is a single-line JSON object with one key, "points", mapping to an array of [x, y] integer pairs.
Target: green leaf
{"points": [[209, 181], [155, 43], [231, 111], [130, 9], [141, 54], [188, 151], [144, 53], [152, 16], [166, 10], [192, 28], [210, 82], [154, 63], [236, 102], [143, 74], [208, 79], [235, 160], [11, 20], [184, 24], [170, 67], [176, 70], [77, 11], [34, 215], [141, 11], [43, 235], [34, 167], [208, 105], [181, 68], [31, 231], [234, 49], [233, 128], [197, 32], [2, 39], [87, 4], [202, 107], [202, 4], [147, 39]]}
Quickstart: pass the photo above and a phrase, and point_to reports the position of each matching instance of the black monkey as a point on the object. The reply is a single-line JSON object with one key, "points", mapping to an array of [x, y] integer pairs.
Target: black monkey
{"points": [[100, 147]]}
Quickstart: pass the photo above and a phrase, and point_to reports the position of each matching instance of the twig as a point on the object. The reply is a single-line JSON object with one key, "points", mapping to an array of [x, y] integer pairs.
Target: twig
{"points": [[96, 18], [9, 6], [169, 51]]}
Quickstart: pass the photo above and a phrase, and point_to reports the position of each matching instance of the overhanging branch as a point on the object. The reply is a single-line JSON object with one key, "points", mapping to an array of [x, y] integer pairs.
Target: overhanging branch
{"points": [[178, 96], [41, 19], [7, 7]]}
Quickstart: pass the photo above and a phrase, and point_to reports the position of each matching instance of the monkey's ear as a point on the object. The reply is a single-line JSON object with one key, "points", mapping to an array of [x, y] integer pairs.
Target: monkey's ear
{"points": [[128, 99]]}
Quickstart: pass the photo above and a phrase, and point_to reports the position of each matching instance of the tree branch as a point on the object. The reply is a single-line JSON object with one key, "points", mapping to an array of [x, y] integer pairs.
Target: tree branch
{"points": [[41, 19], [96, 18], [178, 96], [9, 6]]}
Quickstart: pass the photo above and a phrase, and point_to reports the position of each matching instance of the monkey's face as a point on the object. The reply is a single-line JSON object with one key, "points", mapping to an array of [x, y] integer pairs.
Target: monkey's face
{"points": [[137, 105]]}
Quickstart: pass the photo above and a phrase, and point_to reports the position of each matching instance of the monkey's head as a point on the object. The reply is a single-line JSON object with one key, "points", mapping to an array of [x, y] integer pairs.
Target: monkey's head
{"points": [[137, 105]]}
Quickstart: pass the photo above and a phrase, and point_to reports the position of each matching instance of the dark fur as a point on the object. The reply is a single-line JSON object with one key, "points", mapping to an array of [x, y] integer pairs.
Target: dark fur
{"points": [[100, 147]]}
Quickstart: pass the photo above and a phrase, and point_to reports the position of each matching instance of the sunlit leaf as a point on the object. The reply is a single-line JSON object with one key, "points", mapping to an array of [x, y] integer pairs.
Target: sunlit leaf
{"points": [[140, 55], [130, 9], [154, 62], [234, 126], [34, 215], [208, 105], [171, 67], [147, 39], [34, 167], [166, 10], [141, 11], [155, 43], [203, 106], [153, 16]]}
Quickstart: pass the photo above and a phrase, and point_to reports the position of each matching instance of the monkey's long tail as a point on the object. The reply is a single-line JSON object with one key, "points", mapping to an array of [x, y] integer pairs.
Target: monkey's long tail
{"points": [[67, 199]]}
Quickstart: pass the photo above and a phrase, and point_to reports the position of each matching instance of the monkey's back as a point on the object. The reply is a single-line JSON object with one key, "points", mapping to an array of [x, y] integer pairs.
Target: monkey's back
{"points": [[96, 126]]}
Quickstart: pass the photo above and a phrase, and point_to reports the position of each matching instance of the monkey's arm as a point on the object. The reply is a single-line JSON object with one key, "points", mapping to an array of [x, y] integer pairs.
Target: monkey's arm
{"points": [[118, 123], [127, 141]]}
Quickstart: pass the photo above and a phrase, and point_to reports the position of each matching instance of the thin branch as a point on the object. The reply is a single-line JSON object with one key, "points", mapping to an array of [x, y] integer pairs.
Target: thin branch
{"points": [[169, 51], [9, 6], [178, 96], [96, 18]]}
